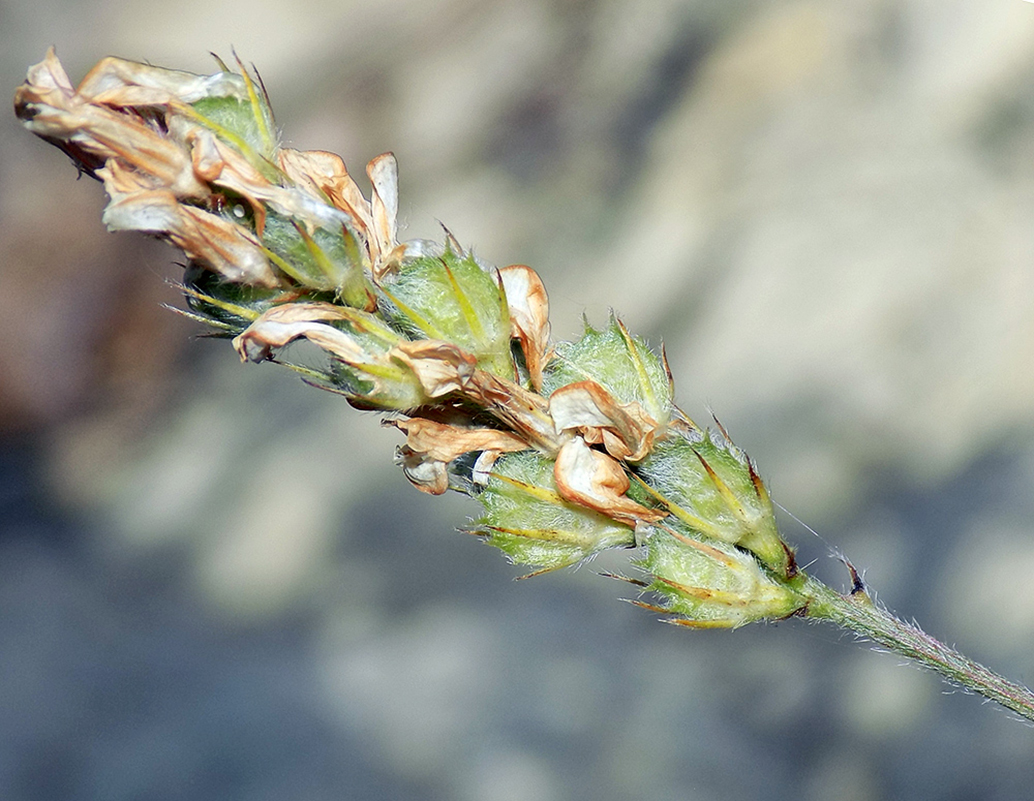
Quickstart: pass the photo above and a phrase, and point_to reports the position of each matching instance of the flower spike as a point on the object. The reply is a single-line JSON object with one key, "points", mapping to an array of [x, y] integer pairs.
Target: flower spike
{"points": [[571, 448]]}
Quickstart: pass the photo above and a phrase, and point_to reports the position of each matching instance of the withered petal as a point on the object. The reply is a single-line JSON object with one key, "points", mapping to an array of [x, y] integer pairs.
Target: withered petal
{"points": [[626, 430], [118, 82], [383, 172], [525, 412], [222, 246], [281, 325], [49, 74], [323, 173], [529, 317], [444, 443], [427, 475], [220, 164], [440, 367], [593, 479]]}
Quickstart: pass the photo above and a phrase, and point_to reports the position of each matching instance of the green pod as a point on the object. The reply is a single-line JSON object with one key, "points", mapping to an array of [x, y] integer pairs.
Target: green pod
{"points": [[452, 298], [526, 518], [709, 584], [623, 364], [711, 486]]}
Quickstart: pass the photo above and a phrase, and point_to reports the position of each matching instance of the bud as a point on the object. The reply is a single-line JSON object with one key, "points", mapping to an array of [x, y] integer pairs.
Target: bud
{"points": [[711, 486], [621, 363], [450, 297], [526, 518], [709, 585]]}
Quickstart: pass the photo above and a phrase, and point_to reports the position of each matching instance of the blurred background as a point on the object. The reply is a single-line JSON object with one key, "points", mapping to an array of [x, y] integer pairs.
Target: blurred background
{"points": [[215, 585]]}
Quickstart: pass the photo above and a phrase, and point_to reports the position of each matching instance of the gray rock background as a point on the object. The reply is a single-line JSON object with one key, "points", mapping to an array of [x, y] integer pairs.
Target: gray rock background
{"points": [[213, 583]]}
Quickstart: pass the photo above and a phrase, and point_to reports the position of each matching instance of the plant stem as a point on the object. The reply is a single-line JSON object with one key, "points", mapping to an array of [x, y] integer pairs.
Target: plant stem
{"points": [[868, 620]]}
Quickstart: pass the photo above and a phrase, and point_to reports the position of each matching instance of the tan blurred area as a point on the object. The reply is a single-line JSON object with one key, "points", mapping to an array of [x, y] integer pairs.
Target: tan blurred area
{"points": [[825, 210]]}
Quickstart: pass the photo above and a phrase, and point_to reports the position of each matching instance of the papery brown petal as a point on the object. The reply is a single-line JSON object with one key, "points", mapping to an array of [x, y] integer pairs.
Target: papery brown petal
{"points": [[118, 82], [383, 172], [440, 367], [444, 443], [523, 411], [625, 430], [281, 325], [323, 173], [430, 446], [529, 317], [427, 475], [220, 245], [49, 74], [93, 134], [596, 481], [226, 167], [305, 312]]}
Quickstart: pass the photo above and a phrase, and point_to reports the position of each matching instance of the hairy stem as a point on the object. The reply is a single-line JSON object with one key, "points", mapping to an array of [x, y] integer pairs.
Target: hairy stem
{"points": [[870, 621]]}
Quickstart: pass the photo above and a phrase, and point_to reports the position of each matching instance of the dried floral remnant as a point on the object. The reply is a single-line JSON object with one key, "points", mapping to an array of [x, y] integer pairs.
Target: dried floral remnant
{"points": [[625, 430], [593, 479], [227, 249], [92, 132], [431, 445], [529, 317]]}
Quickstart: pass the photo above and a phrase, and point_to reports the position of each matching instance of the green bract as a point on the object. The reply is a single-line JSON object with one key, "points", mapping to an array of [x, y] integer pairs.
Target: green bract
{"points": [[528, 520], [454, 299], [710, 485], [623, 364]]}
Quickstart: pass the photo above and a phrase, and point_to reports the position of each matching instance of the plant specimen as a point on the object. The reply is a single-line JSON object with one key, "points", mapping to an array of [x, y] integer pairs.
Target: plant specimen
{"points": [[571, 448]]}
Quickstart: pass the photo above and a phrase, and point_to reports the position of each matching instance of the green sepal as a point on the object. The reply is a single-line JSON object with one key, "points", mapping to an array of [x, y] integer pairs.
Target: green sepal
{"points": [[243, 119], [381, 382], [711, 486], [452, 298], [623, 364], [527, 520], [324, 260], [710, 584]]}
